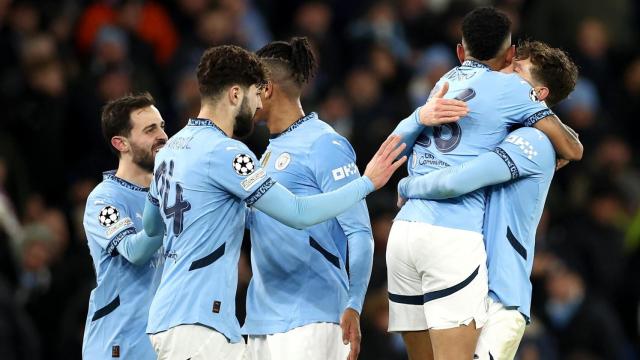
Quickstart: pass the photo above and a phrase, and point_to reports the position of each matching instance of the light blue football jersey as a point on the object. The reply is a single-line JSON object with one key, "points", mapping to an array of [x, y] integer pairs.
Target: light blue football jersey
{"points": [[300, 276], [496, 101], [513, 213], [202, 180], [119, 305]]}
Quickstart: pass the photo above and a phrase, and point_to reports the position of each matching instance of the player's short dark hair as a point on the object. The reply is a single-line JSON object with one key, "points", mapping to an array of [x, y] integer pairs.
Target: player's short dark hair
{"points": [[116, 116], [484, 31], [550, 66], [296, 56], [226, 65]]}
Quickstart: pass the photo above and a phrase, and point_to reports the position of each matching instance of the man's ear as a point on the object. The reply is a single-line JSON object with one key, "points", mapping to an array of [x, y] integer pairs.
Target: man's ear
{"points": [[542, 92], [268, 90], [460, 53], [235, 95], [510, 55], [120, 143]]}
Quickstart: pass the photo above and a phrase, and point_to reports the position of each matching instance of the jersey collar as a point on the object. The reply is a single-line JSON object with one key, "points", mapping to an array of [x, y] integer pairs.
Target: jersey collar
{"points": [[295, 125], [111, 175], [204, 122], [475, 64]]}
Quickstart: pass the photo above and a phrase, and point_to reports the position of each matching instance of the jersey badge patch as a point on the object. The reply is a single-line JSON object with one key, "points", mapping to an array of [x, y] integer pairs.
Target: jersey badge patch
{"points": [[251, 180], [243, 165], [108, 216], [117, 227], [265, 159], [283, 161], [533, 96]]}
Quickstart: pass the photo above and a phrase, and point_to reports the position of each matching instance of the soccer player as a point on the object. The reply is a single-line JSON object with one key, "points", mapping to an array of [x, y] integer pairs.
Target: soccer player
{"points": [[126, 261], [300, 293], [202, 180], [436, 259], [523, 164]]}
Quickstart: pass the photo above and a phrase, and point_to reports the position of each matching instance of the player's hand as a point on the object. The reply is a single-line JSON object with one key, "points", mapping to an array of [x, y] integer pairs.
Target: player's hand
{"points": [[438, 110], [384, 163], [560, 163], [401, 201], [350, 325]]}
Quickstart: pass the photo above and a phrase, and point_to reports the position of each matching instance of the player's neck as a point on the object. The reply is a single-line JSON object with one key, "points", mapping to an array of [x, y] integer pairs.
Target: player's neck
{"points": [[129, 171], [220, 115], [287, 112]]}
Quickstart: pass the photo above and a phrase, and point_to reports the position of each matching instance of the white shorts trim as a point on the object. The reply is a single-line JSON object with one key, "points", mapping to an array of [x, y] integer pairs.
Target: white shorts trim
{"points": [[437, 277], [195, 342], [317, 341], [501, 335]]}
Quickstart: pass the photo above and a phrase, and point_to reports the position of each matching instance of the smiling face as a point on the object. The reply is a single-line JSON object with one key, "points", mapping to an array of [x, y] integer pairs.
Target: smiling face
{"points": [[147, 136]]}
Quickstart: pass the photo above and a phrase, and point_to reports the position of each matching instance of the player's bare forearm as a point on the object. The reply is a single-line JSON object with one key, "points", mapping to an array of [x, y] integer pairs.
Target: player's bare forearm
{"points": [[564, 139]]}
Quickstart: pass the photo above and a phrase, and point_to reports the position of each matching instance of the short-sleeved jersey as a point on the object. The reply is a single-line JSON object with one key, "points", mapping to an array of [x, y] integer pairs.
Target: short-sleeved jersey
{"points": [[300, 276], [202, 180], [496, 101], [512, 215], [119, 305]]}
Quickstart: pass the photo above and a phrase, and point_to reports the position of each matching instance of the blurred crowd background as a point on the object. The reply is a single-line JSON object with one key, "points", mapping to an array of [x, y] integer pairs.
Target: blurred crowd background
{"points": [[61, 61]]}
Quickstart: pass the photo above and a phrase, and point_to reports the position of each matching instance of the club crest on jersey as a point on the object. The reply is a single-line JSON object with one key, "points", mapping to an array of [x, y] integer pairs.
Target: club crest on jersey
{"points": [[533, 96], [283, 161], [108, 216], [243, 165]]}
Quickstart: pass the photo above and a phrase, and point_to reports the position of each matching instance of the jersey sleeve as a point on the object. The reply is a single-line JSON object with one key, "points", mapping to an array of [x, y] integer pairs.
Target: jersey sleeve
{"points": [[333, 163], [409, 129], [521, 103], [153, 196], [527, 152], [107, 222], [236, 169]]}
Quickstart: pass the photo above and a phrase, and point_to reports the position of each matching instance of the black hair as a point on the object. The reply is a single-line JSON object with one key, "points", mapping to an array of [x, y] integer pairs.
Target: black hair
{"points": [[484, 31], [296, 56], [116, 116]]}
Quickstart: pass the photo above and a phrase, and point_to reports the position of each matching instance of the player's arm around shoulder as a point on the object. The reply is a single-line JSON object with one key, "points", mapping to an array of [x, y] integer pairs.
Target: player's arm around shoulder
{"points": [[565, 141], [526, 107]]}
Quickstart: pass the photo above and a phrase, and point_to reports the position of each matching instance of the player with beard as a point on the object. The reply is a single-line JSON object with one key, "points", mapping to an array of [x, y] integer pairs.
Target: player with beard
{"points": [[125, 259], [203, 181]]}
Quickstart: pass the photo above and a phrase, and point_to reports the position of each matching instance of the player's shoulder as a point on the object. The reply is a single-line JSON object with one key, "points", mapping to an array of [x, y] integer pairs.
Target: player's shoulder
{"points": [[105, 190], [228, 145], [330, 140]]}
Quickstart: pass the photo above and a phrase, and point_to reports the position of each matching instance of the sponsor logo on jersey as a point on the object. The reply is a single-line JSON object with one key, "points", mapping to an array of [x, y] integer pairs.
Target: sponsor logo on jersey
{"points": [[524, 145], [253, 179], [117, 227], [283, 161], [344, 171]]}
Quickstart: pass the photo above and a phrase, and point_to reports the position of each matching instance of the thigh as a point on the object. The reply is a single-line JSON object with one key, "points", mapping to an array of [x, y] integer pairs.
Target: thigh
{"points": [[457, 343], [403, 280], [418, 345], [501, 335]]}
